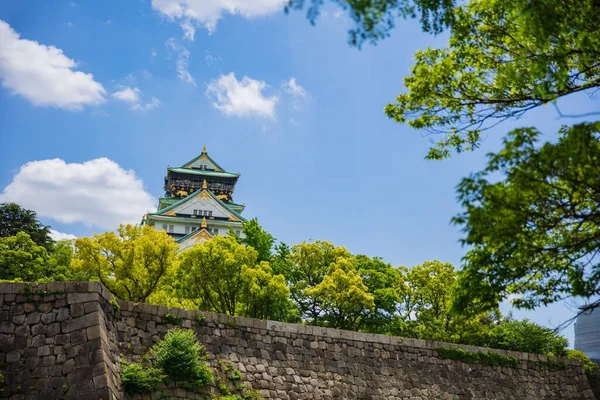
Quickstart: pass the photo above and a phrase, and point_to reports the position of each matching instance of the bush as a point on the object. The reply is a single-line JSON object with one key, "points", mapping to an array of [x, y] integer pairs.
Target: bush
{"points": [[181, 357], [588, 365], [137, 378]]}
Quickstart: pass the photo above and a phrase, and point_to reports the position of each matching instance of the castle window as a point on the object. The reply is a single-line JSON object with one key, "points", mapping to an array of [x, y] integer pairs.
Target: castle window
{"points": [[187, 230], [215, 231], [238, 232], [164, 227], [210, 213], [171, 228]]}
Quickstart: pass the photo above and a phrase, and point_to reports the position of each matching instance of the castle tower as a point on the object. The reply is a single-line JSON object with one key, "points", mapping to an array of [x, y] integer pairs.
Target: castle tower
{"points": [[198, 202]]}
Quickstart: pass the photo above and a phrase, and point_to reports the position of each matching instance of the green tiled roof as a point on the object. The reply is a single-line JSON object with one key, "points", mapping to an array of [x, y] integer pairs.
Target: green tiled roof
{"points": [[203, 172], [191, 196], [165, 202]]}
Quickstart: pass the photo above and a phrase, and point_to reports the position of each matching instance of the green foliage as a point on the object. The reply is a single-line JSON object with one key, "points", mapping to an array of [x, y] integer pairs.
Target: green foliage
{"points": [[375, 19], [115, 305], [526, 336], [308, 263], [534, 234], [589, 366], [504, 58], [14, 219], [138, 378], [172, 319], [22, 259], [224, 276], [259, 239], [200, 319], [491, 359], [342, 296], [181, 357], [132, 264]]}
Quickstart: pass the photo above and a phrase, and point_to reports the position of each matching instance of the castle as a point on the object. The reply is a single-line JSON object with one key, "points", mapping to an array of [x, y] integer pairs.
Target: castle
{"points": [[198, 202]]}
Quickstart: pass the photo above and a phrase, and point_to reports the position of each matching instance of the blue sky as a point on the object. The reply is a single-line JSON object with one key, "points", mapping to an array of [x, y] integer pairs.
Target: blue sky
{"points": [[305, 128]]}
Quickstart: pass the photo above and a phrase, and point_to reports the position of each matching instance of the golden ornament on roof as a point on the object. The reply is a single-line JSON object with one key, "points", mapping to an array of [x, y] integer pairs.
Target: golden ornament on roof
{"points": [[203, 225], [204, 185]]}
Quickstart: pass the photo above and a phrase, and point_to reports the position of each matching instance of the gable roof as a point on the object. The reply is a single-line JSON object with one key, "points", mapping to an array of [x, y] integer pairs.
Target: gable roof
{"points": [[208, 161], [196, 194]]}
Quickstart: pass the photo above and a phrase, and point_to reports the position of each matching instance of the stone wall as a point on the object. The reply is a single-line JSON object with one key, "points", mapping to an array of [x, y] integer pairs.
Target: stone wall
{"points": [[64, 341]]}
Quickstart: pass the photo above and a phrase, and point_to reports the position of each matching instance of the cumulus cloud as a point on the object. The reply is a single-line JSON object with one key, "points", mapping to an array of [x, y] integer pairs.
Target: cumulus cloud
{"points": [[128, 94], [44, 75], [95, 193], [56, 235], [243, 98], [192, 13], [183, 55]]}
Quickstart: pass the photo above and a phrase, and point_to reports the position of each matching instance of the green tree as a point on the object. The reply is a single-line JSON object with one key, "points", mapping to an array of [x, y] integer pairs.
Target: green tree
{"points": [[342, 296], [15, 219], [22, 259], [534, 234], [504, 58], [132, 264], [256, 237], [424, 311], [382, 281], [308, 263], [526, 336], [224, 276], [375, 19]]}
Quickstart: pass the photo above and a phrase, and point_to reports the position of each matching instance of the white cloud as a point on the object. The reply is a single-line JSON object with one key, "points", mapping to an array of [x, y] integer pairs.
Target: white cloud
{"points": [[43, 74], [95, 193], [338, 14], [183, 56], [128, 94], [191, 13], [57, 236], [298, 93], [241, 98], [154, 103], [292, 87], [132, 96]]}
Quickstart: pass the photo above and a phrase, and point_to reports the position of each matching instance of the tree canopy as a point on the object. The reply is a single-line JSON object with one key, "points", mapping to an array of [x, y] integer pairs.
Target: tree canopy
{"points": [[504, 58], [15, 219], [534, 234], [132, 263]]}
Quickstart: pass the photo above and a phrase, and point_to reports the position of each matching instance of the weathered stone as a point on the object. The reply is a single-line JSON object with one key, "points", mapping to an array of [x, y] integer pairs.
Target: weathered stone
{"points": [[7, 327], [62, 314], [81, 322], [13, 356], [77, 310]]}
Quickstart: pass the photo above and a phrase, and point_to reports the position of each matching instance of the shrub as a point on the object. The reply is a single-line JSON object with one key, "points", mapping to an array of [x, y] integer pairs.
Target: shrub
{"points": [[181, 357], [588, 365], [137, 378]]}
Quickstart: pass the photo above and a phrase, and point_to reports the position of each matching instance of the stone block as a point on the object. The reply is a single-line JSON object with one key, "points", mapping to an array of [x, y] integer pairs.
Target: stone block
{"points": [[82, 322], [77, 298]]}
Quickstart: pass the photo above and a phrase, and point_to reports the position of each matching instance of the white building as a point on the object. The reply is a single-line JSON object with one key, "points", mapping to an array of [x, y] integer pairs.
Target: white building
{"points": [[198, 202]]}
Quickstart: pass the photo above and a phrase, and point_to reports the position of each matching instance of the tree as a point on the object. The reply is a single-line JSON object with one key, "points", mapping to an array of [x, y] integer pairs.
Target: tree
{"points": [[382, 281], [132, 264], [528, 337], [308, 265], [21, 258], [504, 58], [256, 237], [342, 296], [224, 276], [376, 18], [15, 219], [535, 234]]}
